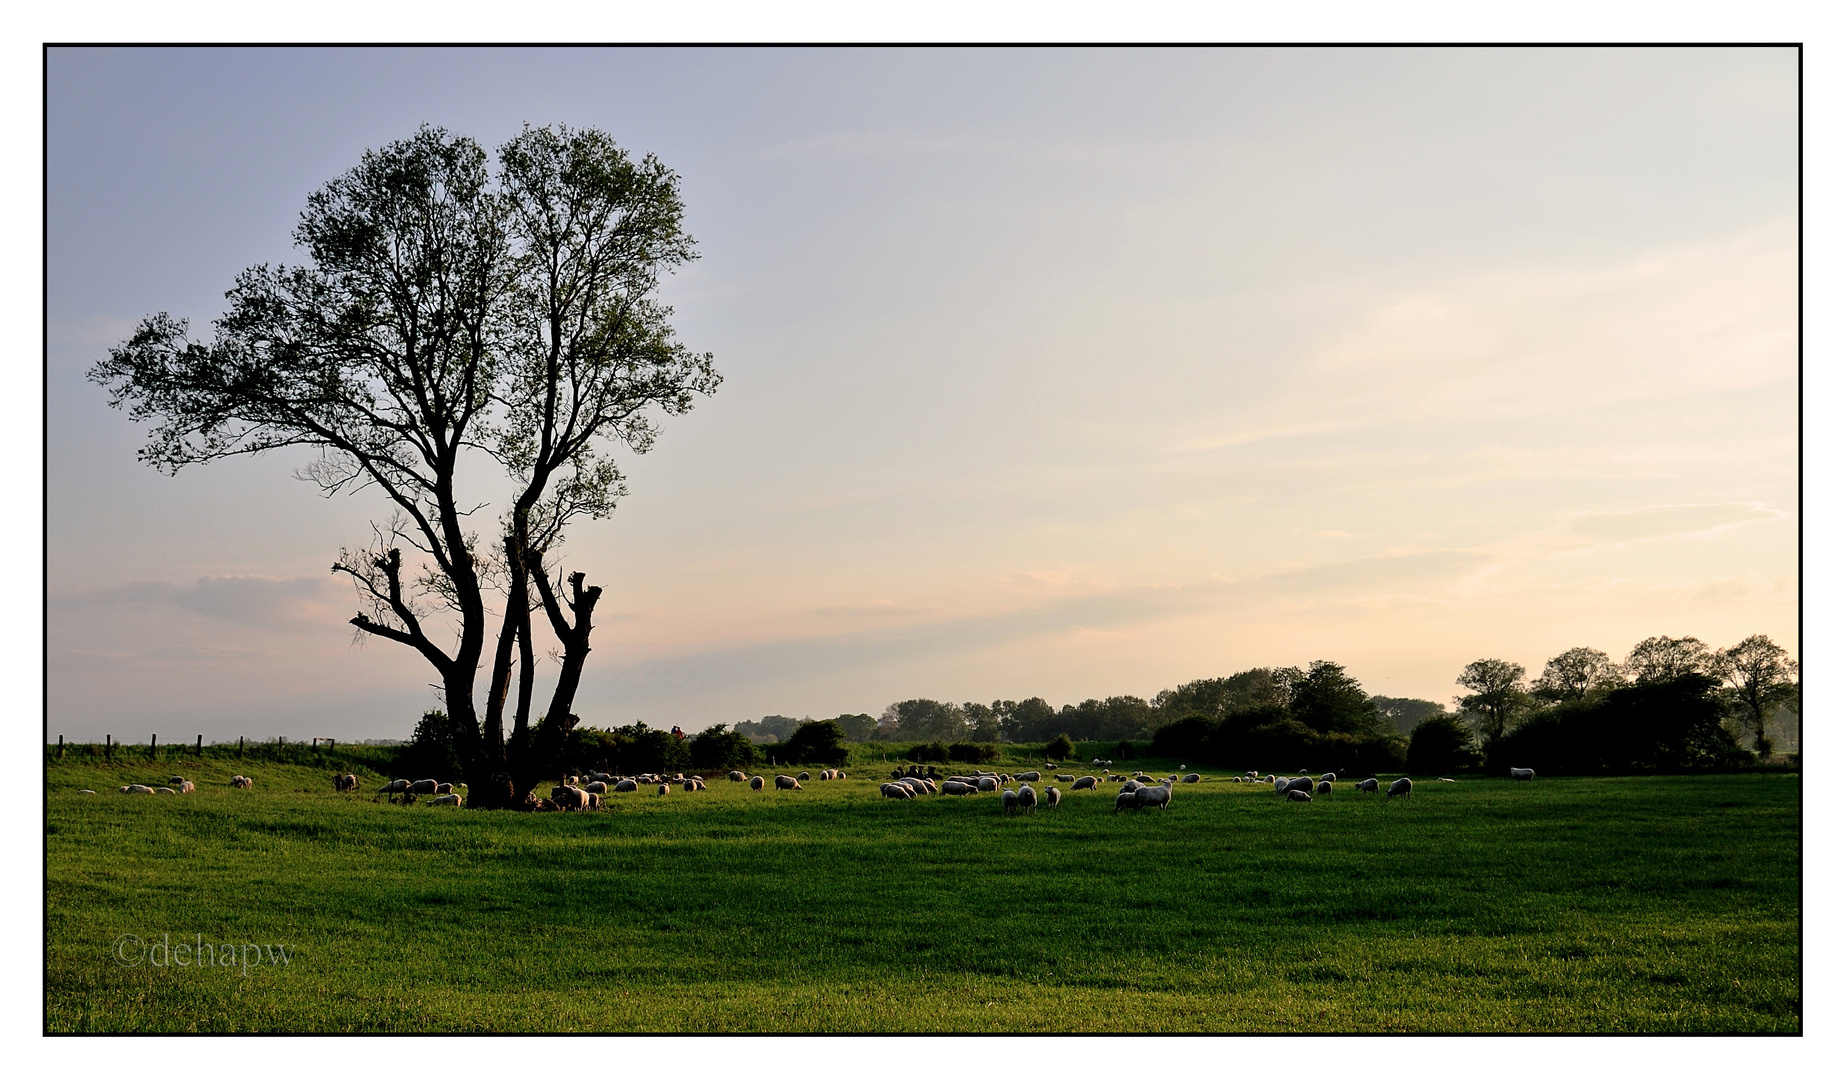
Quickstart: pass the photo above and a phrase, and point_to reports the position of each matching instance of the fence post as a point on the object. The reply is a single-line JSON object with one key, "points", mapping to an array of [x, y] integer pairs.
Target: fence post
{"points": [[60, 748], [108, 748], [240, 748], [200, 752], [153, 744]]}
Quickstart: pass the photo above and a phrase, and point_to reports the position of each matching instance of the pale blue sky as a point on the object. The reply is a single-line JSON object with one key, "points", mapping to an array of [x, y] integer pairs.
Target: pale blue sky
{"points": [[1064, 373]]}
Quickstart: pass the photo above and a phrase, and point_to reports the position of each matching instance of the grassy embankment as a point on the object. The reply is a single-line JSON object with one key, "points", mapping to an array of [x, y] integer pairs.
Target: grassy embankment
{"points": [[1658, 904]]}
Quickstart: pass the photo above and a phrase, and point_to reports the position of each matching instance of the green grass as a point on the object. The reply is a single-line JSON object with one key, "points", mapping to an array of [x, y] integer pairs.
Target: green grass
{"points": [[1657, 904]]}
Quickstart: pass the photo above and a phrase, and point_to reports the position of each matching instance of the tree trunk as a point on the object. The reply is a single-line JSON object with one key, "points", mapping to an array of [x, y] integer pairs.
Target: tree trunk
{"points": [[540, 759]]}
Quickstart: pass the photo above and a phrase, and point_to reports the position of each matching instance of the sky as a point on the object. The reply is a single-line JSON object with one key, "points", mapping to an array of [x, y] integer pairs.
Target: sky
{"points": [[1064, 373]]}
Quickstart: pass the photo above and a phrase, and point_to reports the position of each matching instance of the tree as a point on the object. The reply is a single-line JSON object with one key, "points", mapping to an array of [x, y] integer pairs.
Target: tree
{"points": [[432, 747], [1499, 693], [1404, 714], [923, 720], [1060, 749], [982, 720], [1214, 698], [1575, 674], [715, 748], [817, 742], [1327, 699], [451, 316], [857, 727], [1439, 744], [1660, 659], [1028, 720], [1761, 677]]}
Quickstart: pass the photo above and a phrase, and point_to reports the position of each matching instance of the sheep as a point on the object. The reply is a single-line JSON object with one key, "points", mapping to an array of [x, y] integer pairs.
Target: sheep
{"points": [[735, 776], [165, 791], [1523, 774], [895, 790], [1444, 780], [1270, 779], [446, 788], [839, 774], [1009, 800], [428, 787], [135, 789], [1191, 778], [626, 785], [1125, 800], [1032, 776], [986, 783], [567, 797], [345, 782], [956, 787], [691, 785], [1065, 778], [446, 800], [1323, 787], [176, 781], [1400, 786], [85, 791], [592, 801], [1368, 784], [1298, 795], [1083, 782], [242, 782], [594, 787], [1158, 795], [801, 776], [1328, 777], [785, 782], [1131, 786], [395, 787], [1053, 797], [756, 783], [1296, 783], [1028, 799], [919, 785], [187, 787], [1143, 778]]}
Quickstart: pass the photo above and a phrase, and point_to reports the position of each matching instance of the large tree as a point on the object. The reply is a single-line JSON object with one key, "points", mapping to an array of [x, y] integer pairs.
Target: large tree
{"points": [[1761, 677], [1575, 674], [448, 313], [1499, 693], [1663, 659]]}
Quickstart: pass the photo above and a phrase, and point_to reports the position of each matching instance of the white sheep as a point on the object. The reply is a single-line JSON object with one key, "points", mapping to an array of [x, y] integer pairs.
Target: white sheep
{"points": [[1191, 778], [627, 785], [1052, 797], [1125, 800], [784, 782], [1131, 786], [1323, 787], [242, 782], [957, 787], [895, 790], [1523, 774], [1298, 795], [756, 783], [735, 776], [428, 787], [595, 787], [1328, 777], [1298, 783], [1009, 800], [1032, 776], [1370, 784], [135, 789], [801, 776], [1400, 786], [1064, 778], [395, 787], [165, 791], [1028, 799], [1083, 782], [345, 782], [1156, 795], [986, 783], [446, 800], [85, 791]]}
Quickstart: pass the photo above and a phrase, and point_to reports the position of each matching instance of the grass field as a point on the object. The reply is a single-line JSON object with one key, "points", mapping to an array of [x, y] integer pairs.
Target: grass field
{"points": [[1665, 904]]}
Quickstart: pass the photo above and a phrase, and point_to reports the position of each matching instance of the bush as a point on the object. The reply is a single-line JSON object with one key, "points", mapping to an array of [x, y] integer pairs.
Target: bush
{"points": [[431, 752], [1440, 744], [1060, 749], [974, 753], [1183, 738], [933, 751], [1124, 750], [718, 749], [817, 742], [1668, 724]]}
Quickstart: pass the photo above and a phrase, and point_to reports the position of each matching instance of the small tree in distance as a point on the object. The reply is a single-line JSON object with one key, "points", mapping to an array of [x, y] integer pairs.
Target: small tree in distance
{"points": [[1499, 694], [1060, 749]]}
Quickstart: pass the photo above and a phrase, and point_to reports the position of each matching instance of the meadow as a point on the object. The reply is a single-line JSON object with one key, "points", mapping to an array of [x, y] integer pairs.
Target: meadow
{"points": [[1655, 904]]}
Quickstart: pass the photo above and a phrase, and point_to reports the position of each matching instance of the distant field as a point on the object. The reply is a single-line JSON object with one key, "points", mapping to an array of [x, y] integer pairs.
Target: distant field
{"points": [[1660, 904]]}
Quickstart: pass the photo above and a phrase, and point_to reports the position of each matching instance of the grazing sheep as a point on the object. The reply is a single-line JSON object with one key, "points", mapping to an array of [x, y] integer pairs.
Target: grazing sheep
{"points": [[165, 791], [691, 785], [756, 783], [785, 782], [735, 776], [428, 787], [1368, 784], [1323, 787], [1270, 779], [1328, 777], [187, 787], [801, 776], [1028, 799], [446, 788], [242, 782], [1009, 800], [135, 789], [1191, 778], [446, 800], [1523, 774], [1064, 778], [594, 801], [1053, 797], [1296, 783], [839, 774], [395, 787], [1444, 780], [594, 787], [662, 790], [1125, 800], [986, 783], [1298, 795], [176, 780], [85, 791], [345, 782], [567, 797], [895, 790], [1131, 786], [1143, 778], [1032, 776], [626, 785], [1400, 786], [1083, 782], [918, 784], [956, 787], [1157, 795]]}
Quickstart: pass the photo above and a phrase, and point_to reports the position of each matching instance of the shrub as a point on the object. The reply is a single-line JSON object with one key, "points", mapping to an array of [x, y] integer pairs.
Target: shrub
{"points": [[1060, 749], [974, 753], [1183, 738], [432, 748], [1124, 750], [933, 751], [817, 742], [1439, 744]]}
